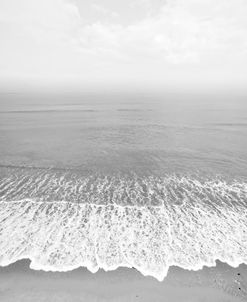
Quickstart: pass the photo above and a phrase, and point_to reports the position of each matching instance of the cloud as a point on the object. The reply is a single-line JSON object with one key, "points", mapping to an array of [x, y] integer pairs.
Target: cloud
{"points": [[55, 14], [37, 35], [181, 32], [51, 37], [103, 10]]}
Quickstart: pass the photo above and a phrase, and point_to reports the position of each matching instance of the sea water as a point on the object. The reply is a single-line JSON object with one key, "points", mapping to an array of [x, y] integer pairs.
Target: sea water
{"points": [[116, 179]]}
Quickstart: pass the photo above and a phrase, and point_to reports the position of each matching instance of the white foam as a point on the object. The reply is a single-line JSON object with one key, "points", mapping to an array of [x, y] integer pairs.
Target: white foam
{"points": [[193, 225]]}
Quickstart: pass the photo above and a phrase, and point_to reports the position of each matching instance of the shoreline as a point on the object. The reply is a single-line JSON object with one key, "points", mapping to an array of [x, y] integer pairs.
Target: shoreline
{"points": [[220, 283], [34, 265]]}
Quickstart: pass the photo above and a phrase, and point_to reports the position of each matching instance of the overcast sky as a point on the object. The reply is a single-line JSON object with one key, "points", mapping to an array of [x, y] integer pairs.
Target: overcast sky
{"points": [[155, 42]]}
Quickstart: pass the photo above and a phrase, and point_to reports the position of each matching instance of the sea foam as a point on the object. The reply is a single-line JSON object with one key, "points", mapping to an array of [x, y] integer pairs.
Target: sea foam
{"points": [[148, 223]]}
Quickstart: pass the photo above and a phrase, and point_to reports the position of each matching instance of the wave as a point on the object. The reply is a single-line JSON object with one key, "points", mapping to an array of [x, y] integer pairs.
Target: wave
{"points": [[235, 124], [161, 222], [133, 110], [57, 110], [49, 111], [18, 183]]}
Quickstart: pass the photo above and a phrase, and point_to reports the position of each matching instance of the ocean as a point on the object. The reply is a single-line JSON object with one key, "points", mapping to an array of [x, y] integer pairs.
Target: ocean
{"points": [[123, 179]]}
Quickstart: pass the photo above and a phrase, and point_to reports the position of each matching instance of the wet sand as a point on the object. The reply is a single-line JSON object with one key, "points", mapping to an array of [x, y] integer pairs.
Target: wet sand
{"points": [[218, 284]]}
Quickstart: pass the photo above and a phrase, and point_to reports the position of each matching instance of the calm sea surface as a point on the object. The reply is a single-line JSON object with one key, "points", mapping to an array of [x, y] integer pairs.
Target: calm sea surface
{"points": [[115, 133]]}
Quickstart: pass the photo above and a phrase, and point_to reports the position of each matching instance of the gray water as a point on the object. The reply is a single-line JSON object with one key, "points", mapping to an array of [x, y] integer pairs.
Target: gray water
{"points": [[112, 133], [108, 180]]}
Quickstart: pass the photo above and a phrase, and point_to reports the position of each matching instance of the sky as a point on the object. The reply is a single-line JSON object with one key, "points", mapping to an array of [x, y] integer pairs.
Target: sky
{"points": [[201, 44]]}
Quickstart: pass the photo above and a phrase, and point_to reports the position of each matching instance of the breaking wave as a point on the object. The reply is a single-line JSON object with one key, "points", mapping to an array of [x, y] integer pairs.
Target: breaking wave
{"points": [[61, 222]]}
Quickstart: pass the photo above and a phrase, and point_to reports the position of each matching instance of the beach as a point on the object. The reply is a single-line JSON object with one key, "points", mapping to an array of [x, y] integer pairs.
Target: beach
{"points": [[219, 284], [126, 187]]}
